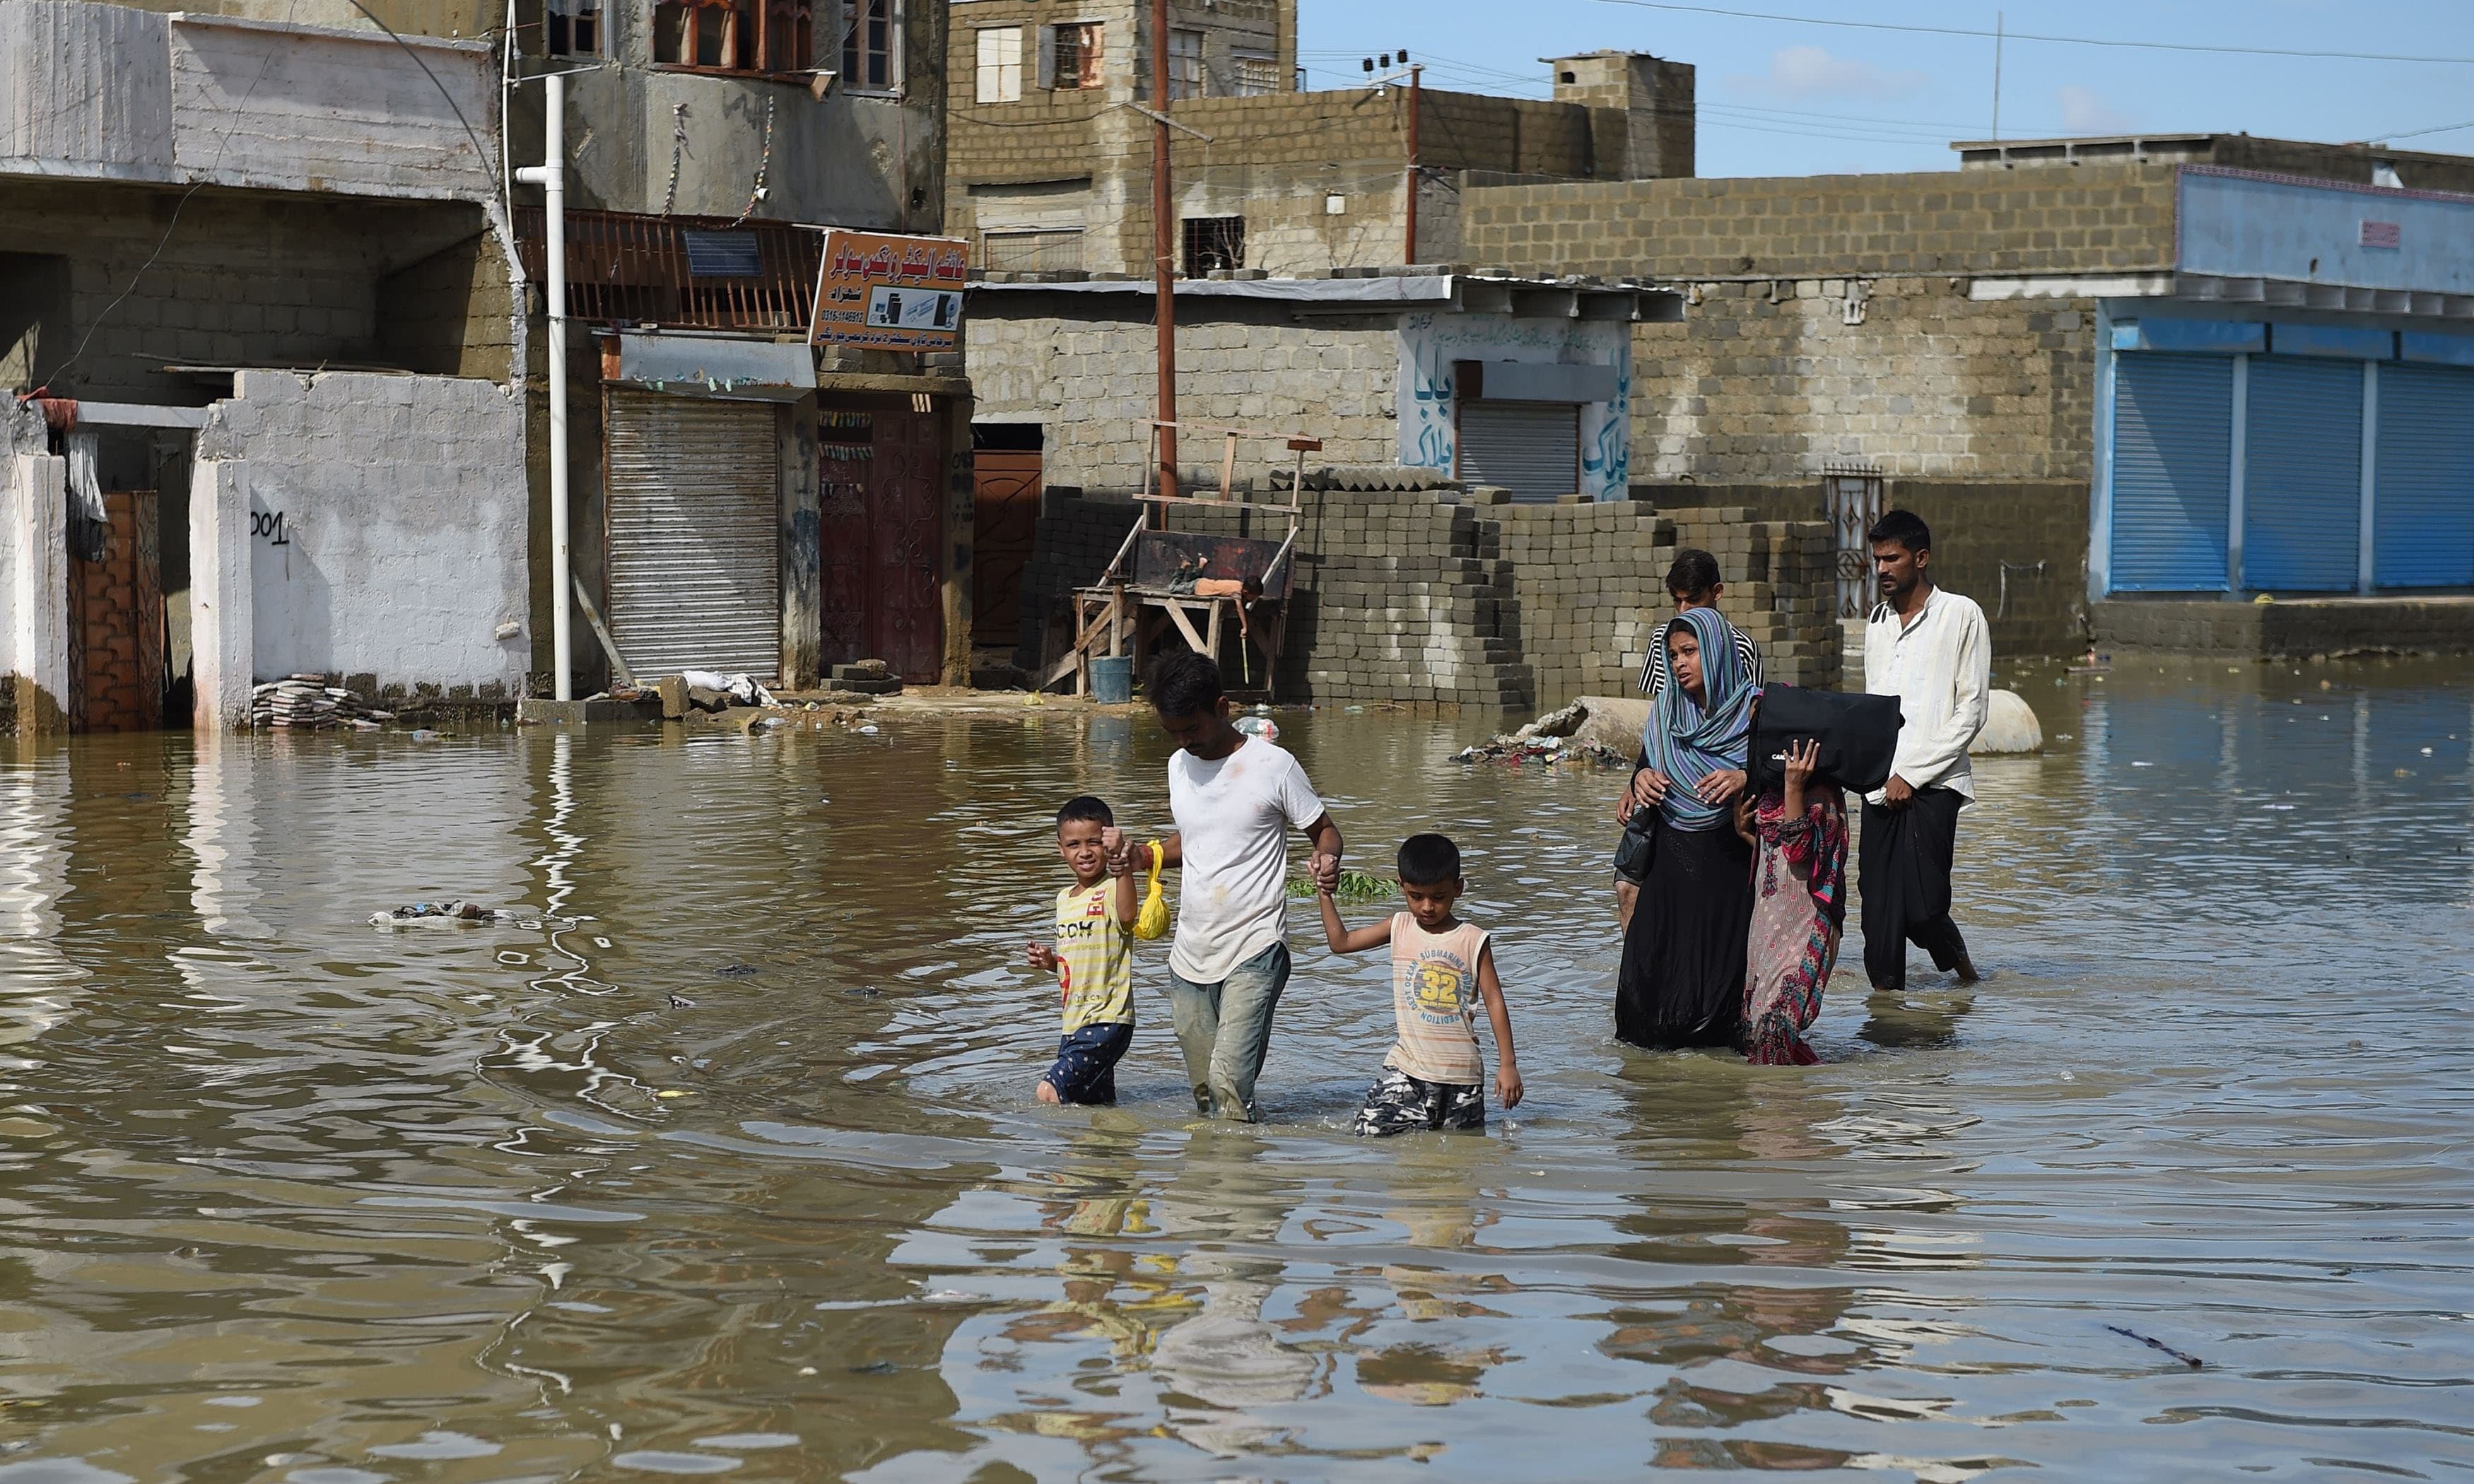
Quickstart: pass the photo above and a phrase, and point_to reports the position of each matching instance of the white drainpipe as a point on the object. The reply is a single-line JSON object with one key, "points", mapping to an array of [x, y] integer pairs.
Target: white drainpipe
{"points": [[550, 175]]}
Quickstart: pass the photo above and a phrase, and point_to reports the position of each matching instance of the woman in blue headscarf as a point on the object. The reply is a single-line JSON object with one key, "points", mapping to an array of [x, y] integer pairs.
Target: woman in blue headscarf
{"points": [[1682, 978]]}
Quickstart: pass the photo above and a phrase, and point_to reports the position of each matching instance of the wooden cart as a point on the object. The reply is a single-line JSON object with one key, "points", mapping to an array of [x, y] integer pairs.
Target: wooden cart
{"points": [[1148, 587]]}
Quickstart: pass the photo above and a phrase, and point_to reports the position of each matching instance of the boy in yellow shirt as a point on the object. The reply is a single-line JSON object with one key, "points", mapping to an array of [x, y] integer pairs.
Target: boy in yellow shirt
{"points": [[1093, 959]]}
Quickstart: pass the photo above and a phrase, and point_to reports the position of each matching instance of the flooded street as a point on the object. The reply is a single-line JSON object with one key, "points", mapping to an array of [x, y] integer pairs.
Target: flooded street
{"points": [[724, 1158]]}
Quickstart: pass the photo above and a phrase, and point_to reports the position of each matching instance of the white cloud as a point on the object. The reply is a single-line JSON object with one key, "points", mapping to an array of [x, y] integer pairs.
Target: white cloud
{"points": [[1810, 72], [2083, 112]]}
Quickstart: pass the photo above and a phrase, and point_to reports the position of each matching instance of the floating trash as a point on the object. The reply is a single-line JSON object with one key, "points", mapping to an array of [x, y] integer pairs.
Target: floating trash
{"points": [[452, 914]]}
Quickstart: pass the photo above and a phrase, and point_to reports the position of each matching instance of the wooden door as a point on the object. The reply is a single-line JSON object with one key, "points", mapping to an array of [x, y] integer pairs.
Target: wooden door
{"points": [[906, 617], [846, 453], [879, 533], [1005, 487], [117, 639]]}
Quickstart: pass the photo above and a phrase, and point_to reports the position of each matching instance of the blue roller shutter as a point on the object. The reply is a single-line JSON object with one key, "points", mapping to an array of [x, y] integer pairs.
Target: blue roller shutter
{"points": [[2302, 476], [2172, 458], [2423, 505]]}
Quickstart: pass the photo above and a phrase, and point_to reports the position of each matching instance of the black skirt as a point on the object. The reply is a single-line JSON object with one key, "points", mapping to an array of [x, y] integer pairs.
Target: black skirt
{"points": [[1682, 978]]}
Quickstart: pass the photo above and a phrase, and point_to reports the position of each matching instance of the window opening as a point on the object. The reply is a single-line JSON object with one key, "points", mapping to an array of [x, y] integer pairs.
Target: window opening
{"points": [[1185, 75], [730, 35], [574, 28], [1214, 242], [1257, 76], [1073, 55], [1042, 249], [1001, 64], [868, 45]]}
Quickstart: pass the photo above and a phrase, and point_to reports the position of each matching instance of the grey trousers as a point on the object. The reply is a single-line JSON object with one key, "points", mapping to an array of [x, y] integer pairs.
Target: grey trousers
{"points": [[1224, 1029]]}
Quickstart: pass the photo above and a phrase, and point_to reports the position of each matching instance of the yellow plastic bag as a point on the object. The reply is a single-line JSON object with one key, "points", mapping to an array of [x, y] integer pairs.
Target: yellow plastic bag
{"points": [[1152, 922]]}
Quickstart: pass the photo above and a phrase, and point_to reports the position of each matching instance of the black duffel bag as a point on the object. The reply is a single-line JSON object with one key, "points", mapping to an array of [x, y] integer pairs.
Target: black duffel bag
{"points": [[1859, 735]]}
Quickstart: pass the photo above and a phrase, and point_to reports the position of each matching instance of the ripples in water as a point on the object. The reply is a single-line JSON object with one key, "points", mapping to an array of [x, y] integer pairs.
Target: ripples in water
{"points": [[293, 1197]]}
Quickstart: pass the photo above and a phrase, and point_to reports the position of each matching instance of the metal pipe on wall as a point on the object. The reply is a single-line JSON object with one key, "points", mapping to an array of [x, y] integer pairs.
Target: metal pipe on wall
{"points": [[550, 175]]}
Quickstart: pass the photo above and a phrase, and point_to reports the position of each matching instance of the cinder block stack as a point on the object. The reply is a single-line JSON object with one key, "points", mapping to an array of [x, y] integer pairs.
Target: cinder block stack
{"points": [[1592, 579], [1426, 596]]}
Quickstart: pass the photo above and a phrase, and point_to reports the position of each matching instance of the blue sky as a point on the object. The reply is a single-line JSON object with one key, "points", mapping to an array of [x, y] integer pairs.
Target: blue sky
{"points": [[1793, 98]]}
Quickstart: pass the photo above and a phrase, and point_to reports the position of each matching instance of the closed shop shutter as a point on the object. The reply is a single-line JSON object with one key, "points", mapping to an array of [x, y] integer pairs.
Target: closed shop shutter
{"points": [[2173, 464], [696, 574], [1530, 448], [2423, 505], [2302, 476]]}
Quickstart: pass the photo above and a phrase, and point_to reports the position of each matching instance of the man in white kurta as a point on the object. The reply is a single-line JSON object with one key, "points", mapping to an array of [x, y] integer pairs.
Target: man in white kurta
{"points": [[1932, 650]]}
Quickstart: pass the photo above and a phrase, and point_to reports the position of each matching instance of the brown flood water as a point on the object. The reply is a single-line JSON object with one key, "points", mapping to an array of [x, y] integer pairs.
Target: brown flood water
{"points": [[740, 1172]]}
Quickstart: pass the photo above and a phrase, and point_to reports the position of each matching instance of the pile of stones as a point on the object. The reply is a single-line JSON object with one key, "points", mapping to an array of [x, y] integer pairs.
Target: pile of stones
{"points": [[306, 703]]}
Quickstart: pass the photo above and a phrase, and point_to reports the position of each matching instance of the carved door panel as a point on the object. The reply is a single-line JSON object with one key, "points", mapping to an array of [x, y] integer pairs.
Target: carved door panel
{"points": [[846, 454], [906, 611]]}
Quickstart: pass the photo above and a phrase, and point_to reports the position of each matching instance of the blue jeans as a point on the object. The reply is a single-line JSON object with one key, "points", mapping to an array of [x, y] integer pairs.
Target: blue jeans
{"points": [[1225, 1028]]}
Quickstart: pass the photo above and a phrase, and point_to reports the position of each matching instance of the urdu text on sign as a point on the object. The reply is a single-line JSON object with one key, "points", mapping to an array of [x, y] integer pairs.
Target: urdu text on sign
{"points": [[888, 292]]}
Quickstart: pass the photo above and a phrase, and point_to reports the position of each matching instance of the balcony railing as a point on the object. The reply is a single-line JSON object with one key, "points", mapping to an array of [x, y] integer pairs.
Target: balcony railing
{"points": [[701, 272]]}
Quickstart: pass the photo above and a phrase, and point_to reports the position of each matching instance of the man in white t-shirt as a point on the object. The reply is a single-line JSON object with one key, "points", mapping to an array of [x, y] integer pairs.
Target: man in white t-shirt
{"points": [[1235, 799]]}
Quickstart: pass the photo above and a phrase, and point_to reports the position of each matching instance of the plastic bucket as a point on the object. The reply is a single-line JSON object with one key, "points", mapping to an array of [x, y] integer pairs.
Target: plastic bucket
{"points": [[1112, 679]]}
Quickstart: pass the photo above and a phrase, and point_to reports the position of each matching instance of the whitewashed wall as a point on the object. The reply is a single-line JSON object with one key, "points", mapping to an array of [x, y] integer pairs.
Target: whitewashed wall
{"points": [[102, 91], [1430, 341], [385, 530]]}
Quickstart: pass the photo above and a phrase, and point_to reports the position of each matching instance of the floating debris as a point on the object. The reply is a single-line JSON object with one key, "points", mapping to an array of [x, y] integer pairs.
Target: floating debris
{"points": [[1354, 886], [2152, 1342], [455, 913], [1596, 731]]}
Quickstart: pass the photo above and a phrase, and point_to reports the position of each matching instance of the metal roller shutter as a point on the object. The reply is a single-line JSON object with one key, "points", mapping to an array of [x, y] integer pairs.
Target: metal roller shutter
{"points": [[1530, 448], [2423, 504], [2302, 476], [696, 573], [2172, 467]]}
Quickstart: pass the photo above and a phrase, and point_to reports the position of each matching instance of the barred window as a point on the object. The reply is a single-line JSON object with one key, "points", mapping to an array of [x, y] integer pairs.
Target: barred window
{"points": [[1214, 242]]}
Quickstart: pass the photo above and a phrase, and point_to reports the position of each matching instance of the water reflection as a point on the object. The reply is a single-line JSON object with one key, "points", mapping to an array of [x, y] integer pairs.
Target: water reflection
{"points": [[719, 1157]]}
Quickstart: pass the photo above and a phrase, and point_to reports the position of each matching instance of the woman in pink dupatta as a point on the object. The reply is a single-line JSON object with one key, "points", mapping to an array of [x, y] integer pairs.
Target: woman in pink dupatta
{"points": [[1798, 832]]}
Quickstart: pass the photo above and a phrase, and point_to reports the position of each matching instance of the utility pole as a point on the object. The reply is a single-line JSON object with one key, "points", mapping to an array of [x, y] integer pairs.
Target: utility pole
{"points": [[1409, 249], [1163, 252]]}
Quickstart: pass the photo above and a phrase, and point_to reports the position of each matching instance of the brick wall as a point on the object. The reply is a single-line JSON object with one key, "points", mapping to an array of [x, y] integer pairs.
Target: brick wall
{"points": [[2020, 549], [1402, 597], [1273, 159], [241, 280], [1766, 381], [1248, 365], [2097, 218], [452, 313]]}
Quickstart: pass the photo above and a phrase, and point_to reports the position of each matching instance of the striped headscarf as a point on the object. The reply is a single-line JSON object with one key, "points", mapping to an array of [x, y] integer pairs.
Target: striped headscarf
{"points": [[1689, 740]]}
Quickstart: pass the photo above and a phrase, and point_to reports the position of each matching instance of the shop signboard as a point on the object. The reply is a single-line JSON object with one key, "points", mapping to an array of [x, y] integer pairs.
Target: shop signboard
{"points": [[887, 293]]}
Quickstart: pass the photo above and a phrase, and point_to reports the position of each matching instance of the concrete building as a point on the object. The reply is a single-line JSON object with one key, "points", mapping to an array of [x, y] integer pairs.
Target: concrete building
{"points": [[264, 274], [1048, 152], [2130, 377], [738, 503], [1468, 539]]}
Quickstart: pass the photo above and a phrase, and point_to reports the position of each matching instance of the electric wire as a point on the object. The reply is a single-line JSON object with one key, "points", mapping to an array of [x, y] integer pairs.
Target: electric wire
{"points": [[1975, 33]]}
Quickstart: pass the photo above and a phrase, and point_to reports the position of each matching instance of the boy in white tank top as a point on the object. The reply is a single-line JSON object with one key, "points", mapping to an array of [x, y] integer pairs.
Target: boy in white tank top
{"points": [[1441, 968]]}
